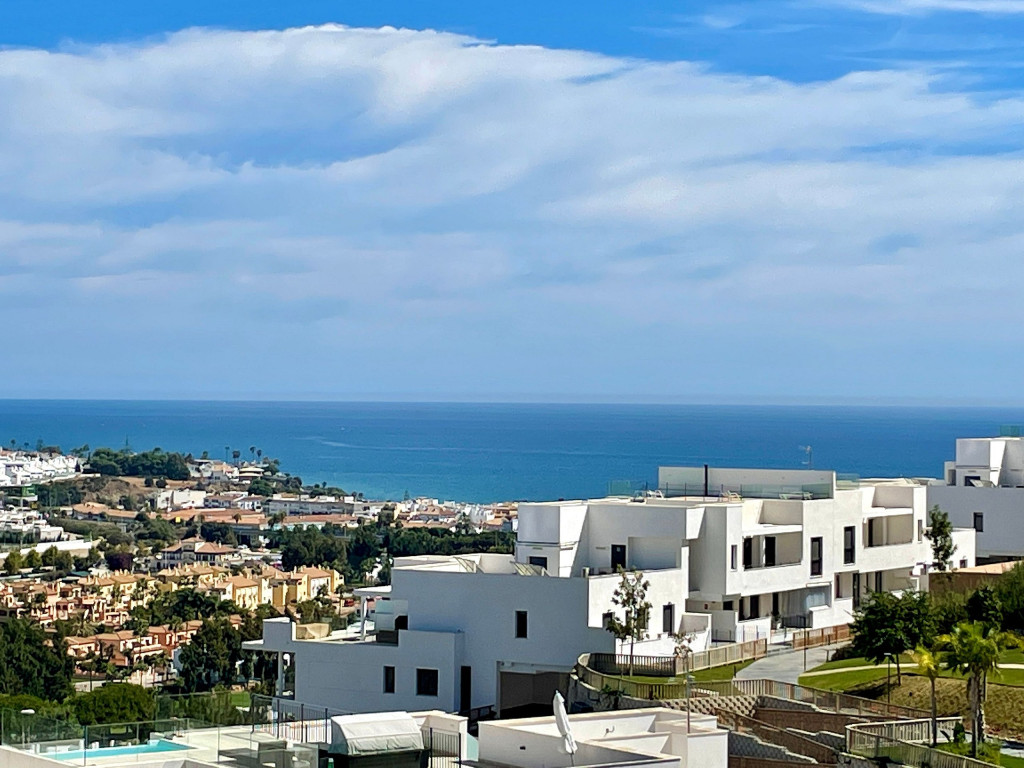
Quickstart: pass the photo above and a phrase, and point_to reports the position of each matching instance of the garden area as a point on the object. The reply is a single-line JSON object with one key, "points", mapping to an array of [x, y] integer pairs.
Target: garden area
{"points": [[962, 654]]}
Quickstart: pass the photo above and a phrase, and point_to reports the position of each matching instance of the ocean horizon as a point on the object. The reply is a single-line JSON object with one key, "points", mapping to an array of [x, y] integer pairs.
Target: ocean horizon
{"points": [[484, 452]]}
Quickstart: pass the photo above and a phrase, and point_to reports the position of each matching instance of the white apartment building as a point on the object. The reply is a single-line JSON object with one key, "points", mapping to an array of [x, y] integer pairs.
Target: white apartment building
{"points": [[460, 633], [19, 468], [304, 504], [741, 552], [983, 489]]}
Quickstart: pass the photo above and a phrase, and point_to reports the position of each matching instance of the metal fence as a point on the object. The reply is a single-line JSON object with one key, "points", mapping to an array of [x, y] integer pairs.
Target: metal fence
{"points": [[611, 664], [444, 748], [292, 720], [829, 701], [899, 743]]}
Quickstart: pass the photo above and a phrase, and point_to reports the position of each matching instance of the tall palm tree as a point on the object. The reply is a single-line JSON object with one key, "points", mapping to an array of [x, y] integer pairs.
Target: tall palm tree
{"points": [[928, 665], [973, 650]]}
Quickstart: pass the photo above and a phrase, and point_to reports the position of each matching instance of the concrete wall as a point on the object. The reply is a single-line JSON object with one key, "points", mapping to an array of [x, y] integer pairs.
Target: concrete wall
{"points": [[1003, 510]]}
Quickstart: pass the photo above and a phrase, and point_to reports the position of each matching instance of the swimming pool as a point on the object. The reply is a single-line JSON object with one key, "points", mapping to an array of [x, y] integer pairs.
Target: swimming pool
{"points": [[163, 745]]}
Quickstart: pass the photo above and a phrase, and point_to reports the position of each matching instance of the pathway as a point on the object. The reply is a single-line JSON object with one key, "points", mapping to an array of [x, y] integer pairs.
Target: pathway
{"points": [[785, 666]]}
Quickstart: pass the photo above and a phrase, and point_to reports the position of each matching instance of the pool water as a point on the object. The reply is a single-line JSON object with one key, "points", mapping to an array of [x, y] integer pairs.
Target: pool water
{"points": [[163, 745]]}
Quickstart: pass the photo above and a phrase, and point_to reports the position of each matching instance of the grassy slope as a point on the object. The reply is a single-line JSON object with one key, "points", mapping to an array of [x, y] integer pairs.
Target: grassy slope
{"points": [[1003, 709]]}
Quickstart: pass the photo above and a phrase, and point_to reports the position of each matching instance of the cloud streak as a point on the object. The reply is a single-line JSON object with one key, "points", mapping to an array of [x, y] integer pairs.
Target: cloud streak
{"points": [[421, 212]]}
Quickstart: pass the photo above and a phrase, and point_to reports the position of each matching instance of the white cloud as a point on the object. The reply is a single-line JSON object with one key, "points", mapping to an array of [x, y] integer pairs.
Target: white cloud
{"points": [[420, 201]]}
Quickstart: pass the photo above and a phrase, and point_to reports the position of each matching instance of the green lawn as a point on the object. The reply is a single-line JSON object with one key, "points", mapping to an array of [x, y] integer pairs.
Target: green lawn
{"points": [[841, 680], [724, 672], [856, 661], [988, 751]]}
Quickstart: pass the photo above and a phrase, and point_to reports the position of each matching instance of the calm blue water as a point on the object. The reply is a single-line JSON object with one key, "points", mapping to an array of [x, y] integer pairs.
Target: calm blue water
{"points": [[490, 452], [135, 749]]}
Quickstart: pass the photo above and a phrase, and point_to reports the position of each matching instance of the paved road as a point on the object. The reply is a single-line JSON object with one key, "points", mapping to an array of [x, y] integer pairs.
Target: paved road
{"points": [[786, 667]]}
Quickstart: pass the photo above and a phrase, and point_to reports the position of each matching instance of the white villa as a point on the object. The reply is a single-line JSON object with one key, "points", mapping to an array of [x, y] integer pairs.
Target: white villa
{"points": [[741, 552], [983, 489]]}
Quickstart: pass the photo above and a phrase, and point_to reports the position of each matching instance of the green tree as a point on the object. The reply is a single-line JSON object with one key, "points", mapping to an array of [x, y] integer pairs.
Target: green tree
{"points": [[261, 487], [940, 533], [115, 703], [212, 656], [14, 562], [886, 626], [973, 650], [31, 664], [630, 597], [33, 560], [983, 606], [1010, 591]]}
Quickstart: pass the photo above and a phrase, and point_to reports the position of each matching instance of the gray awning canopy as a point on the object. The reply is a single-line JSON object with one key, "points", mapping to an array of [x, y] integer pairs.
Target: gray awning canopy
{"points": [[375, 733]]}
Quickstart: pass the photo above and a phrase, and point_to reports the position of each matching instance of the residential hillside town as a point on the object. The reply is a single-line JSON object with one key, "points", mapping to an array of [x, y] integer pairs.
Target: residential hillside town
{"points": [[236, 577]]}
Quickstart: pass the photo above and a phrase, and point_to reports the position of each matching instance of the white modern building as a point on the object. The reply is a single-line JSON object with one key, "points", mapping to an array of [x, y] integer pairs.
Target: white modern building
{"points": [[741, 553], [798, 548], [983, 489], [464, 633]]}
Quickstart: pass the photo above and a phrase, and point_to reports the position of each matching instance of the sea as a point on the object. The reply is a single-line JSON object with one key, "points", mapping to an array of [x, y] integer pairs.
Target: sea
{"points": [[480, 452]]}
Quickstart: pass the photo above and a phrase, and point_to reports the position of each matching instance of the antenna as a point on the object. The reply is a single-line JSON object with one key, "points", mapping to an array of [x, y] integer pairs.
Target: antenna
{"points": [[809, 451]]}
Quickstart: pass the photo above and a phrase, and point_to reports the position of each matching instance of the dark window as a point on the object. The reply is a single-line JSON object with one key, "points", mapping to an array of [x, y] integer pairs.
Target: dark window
{"points": [[732, 557], [856, 590], [816, 556], [963, 562], [606, 619], [541, 561], [668, 618], [755, 606], [849, 545], [878, 581], [727, 605], [389, 679], [769, 551], [521, 624], [426, 682], [748, 552], [979, 522], [839, 585]]}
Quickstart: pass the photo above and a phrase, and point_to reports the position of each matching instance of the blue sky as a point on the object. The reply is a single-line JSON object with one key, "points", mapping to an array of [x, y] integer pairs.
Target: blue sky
{"points": [[813, 199]]}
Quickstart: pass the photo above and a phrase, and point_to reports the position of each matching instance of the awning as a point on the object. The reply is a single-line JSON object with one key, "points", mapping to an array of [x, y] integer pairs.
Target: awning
{"points": [[372, 734]]}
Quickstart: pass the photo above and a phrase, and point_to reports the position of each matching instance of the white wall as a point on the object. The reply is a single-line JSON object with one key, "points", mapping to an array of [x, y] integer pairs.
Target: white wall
{"points": [[1003, 510]]}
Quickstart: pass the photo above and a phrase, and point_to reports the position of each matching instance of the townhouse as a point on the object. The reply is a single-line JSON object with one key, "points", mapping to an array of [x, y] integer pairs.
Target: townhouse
{"points": [[729, 555]]}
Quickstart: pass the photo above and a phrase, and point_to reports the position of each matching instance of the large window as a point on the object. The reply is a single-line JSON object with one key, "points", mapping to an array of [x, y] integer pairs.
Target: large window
{"points": [[389, 679], [521, 624], [816, 566], [426, 682], [748, 552], [849, 545]]}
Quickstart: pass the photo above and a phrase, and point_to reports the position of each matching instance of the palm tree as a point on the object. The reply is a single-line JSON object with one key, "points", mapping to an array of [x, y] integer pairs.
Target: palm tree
{"points": [[973, 650], [929, 666]]}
